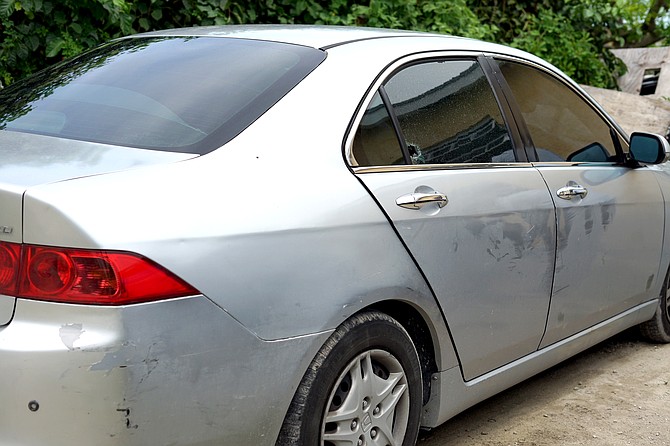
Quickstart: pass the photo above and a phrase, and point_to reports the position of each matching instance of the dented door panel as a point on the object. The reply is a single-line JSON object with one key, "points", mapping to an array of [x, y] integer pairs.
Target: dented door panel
{"points": [[488, 255], [608, 250]]}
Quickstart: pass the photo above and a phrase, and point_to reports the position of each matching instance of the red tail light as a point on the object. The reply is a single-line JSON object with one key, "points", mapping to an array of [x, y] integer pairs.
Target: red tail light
{"points": [[85, 276], [9, 265]]}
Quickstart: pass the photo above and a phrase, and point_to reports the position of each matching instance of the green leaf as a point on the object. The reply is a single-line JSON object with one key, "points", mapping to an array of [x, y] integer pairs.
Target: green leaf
{"points": [[59, 18], [33, 43], [54, 46], [76, 27], [6, 7], [126, 24]]}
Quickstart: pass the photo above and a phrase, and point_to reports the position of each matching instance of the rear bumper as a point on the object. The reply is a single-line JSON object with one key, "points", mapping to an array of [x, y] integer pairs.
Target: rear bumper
{"points": [[178, 372]]}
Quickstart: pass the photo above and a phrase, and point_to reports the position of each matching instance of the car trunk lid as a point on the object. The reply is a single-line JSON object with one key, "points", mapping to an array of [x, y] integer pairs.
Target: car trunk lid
{"points": [[28, 160]]}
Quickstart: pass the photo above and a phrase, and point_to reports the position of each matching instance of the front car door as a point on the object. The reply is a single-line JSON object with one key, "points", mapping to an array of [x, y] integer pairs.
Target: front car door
{"points": [[434, 150], [609, 217]]}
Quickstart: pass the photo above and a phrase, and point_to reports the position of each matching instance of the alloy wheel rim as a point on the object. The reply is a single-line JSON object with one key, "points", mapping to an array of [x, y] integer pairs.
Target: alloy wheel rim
{"points": [[369, 404]]}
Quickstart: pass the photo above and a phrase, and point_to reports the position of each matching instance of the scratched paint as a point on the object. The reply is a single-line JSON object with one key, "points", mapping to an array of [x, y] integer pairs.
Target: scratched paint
{"points": [[70, 333]]}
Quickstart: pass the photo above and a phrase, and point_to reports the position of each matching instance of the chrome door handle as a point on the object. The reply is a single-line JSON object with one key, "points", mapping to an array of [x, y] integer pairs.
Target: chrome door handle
{"points": [[572, 190], [419, 199]]}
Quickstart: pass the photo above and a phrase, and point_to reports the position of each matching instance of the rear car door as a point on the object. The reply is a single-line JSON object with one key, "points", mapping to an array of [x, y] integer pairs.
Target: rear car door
{"points": [[609, 216], [434, 150]]}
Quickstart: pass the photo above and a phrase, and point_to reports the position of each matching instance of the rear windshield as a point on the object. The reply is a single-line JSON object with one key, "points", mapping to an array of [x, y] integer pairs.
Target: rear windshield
{"points": [[181, 94]]}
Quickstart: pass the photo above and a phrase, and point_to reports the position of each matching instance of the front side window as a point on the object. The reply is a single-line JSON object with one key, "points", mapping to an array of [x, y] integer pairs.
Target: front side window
{"points": [[562, 125]]}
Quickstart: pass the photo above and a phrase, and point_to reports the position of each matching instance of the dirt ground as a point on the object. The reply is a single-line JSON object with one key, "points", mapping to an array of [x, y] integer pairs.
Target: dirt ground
{"points": [[617, 393]]}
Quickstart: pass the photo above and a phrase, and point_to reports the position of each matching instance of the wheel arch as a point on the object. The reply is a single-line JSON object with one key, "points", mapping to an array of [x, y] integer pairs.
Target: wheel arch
{"points": [[424, 323], [432, 342]]}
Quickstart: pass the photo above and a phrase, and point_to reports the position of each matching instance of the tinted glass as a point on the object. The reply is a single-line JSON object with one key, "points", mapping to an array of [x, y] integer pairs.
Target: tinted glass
{"points": [[448, 114], [177, 94], [376, 143], [562, 125]]}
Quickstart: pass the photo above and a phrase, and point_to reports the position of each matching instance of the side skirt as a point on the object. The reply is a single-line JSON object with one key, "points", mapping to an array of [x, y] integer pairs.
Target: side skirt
{"points": [[451, 395]]}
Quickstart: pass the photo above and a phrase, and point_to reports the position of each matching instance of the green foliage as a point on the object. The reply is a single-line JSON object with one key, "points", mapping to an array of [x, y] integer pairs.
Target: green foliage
{"points": [[443, 16], [36, 33], [573, 34], [39, 32], [573, 49]]}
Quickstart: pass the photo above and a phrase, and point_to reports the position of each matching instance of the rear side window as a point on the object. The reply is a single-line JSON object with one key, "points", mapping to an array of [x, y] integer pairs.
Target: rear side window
{"points": [[376, 143], [445, 112], [182, 94]]}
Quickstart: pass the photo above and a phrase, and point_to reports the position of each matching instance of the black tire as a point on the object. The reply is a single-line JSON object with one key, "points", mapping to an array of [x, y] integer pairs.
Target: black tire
{"points": [[369, 354], [657, 329]]}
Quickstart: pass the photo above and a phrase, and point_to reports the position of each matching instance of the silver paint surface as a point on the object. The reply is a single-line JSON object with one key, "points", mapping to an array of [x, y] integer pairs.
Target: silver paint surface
{"points": [[488, 254], [608, 246], [6, 309]]}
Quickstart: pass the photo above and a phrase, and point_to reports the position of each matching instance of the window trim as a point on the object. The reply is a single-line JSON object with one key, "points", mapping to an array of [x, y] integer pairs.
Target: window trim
{"points": [[433, 167], [493, 74], [396, 124], [414, 59]]}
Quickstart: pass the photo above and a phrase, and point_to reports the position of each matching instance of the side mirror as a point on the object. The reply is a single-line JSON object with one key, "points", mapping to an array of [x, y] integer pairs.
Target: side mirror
{"points": [[649, 148]]}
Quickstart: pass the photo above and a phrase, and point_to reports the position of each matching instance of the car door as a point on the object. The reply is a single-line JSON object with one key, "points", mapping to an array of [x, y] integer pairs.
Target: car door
{"points": [[609, 216], [433, 148]]}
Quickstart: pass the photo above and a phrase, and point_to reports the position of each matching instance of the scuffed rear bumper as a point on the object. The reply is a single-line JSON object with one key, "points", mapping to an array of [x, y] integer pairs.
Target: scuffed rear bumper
{"points": [[178, 372]]}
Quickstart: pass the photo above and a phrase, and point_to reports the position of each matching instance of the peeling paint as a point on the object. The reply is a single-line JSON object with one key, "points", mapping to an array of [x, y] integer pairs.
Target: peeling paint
{"points": [[650, 281], [126, 412], [588, 221], [70, 333]]}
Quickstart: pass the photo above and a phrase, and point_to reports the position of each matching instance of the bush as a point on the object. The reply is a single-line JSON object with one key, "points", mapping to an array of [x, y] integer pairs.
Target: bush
{"points": [[36, 33]]}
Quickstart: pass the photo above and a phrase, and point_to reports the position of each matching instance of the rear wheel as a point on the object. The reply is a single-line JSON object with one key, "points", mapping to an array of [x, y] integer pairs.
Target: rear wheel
{"points": [[363, 388], [657, 329]]}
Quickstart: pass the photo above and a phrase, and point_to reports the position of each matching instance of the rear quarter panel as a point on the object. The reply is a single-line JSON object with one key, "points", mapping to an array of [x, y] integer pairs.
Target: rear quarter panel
{"points": [[273, 227]]}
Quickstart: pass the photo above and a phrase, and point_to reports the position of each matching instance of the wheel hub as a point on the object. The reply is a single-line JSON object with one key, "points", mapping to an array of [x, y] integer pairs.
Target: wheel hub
{"points": [[369, 404]]}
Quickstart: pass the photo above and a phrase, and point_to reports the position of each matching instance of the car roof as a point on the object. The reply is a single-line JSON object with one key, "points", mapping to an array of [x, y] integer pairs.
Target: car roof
{"points": [[316, 36], [327, 36]]}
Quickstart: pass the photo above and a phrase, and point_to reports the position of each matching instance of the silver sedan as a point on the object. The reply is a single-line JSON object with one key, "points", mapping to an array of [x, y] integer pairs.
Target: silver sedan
{"points": [[261, 235]]}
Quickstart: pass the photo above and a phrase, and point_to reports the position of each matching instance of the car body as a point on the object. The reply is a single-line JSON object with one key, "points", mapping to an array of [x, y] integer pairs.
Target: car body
{"points": [[211, 235]]}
